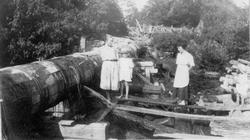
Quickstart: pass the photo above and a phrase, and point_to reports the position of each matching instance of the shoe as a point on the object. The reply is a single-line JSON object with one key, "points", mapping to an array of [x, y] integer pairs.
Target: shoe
{"points": [[119, 97]]}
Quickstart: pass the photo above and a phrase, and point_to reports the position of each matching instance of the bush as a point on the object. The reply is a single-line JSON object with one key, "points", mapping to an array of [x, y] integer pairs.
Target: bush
{"points": [[168, 42], [210, 55]]}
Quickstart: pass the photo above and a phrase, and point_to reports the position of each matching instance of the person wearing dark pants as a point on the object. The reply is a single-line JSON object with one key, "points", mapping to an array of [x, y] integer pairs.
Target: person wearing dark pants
{"points": [[184, 63]]}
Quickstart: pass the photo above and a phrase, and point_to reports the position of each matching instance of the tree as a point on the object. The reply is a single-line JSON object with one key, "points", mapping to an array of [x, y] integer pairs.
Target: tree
{"points": [[224, 22], [35, 29], [175, 13], [129, 10]]}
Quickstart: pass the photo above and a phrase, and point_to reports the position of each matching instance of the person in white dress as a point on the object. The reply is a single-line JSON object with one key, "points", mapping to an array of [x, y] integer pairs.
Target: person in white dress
{"points": [[110, 69], [185, 62], [126, 66]]}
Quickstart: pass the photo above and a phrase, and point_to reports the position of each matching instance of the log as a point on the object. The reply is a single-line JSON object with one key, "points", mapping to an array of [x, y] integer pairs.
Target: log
{"points": [[241, 65], [31, 88], [230, 128], [177, 115], [144, 123], [244, 62]]}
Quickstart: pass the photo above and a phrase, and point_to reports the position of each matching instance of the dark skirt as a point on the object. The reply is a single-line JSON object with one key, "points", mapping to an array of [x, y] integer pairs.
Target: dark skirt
{"points": [[181, 93]]}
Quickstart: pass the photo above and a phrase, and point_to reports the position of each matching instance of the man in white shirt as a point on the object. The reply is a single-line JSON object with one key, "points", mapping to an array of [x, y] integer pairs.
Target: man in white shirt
{"points": [[184, 63]]}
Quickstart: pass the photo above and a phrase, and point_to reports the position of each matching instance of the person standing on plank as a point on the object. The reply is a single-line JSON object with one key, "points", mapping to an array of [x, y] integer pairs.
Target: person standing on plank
{"points": [[184, 63], [110, 68], [126, 66]]}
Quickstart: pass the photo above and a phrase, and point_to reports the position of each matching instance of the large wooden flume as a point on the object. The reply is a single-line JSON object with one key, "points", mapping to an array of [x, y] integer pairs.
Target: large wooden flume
{"points": [[31, 88]]}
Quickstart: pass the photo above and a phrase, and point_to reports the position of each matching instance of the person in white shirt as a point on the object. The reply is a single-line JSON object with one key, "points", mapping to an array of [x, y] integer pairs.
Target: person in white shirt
{"points": [[126, 66], [184, 63]]}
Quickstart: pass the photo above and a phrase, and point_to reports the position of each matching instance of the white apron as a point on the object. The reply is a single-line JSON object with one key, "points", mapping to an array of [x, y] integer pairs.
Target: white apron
{"points": [[182, 71]]}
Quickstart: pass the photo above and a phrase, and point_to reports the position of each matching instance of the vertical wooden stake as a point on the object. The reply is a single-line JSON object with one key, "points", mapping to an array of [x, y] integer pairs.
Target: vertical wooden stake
{"points": [[1, 131], [82, 44]]}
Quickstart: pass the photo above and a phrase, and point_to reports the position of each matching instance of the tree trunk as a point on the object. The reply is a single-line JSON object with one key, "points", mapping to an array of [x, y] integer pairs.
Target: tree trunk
{"points": [[31, 88]]}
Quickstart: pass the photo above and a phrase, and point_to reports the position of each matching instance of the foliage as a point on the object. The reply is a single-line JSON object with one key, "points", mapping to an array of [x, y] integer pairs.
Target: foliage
{"points": [[210, 55], [44, 28], [175, 13], [223, 34], [168, 42]]}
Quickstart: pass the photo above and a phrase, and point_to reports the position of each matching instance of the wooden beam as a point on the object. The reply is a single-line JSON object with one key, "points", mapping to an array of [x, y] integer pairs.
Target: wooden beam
{"points": [[176, 115], [99, 96]]}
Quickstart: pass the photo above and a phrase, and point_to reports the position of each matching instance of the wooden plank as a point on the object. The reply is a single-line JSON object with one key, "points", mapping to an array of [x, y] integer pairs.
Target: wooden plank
{"points": [[180, 136], [177, 115]]}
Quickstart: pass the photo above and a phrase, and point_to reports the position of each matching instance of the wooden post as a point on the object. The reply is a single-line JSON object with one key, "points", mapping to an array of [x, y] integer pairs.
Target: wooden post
{"points": [[82, 44], [1, 131]]}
